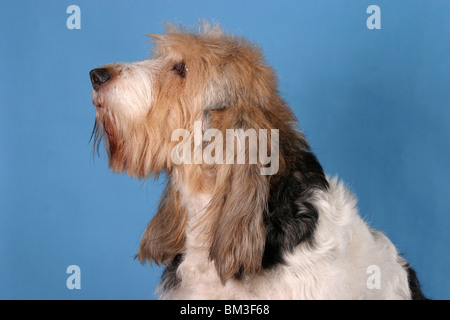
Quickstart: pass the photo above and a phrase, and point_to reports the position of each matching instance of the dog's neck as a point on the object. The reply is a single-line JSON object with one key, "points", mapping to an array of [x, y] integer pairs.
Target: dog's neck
{"points": [[195, 189]]}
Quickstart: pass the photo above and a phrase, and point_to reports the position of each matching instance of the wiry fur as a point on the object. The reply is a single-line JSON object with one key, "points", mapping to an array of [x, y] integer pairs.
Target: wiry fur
{"points": [[224, 230]]}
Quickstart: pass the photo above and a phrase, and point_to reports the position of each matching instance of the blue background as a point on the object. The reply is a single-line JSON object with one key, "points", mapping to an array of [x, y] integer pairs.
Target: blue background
{"points": [[375, 105]]}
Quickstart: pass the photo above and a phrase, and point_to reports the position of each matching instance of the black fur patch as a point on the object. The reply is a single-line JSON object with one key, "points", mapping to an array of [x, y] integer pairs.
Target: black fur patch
{"points": [[291, 218], [414, 285], [169, 278]]}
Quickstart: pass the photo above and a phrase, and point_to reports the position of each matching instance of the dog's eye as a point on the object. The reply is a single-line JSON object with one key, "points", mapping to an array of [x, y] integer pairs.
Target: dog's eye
{"points": [[180, 68]]}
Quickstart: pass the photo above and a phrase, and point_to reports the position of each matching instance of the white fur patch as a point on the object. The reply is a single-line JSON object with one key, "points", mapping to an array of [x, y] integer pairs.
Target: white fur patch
{"points": [[335, 267]]}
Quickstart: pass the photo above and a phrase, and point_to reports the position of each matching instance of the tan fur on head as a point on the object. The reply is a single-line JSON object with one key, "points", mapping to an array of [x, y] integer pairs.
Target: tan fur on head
{"points": [[226, 84], [238, 232]]}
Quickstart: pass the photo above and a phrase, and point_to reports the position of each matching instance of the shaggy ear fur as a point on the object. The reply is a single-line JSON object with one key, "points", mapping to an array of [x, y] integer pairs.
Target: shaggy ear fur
{"points": [[238, 201], [238, 234], [164, 236]]}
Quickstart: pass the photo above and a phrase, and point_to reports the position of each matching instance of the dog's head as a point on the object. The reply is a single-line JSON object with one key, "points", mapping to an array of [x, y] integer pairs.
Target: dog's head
{"points": [[191, 76], [223, 81]]}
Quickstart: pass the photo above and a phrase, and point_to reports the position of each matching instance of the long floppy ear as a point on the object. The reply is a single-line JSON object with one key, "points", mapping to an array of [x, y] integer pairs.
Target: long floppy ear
{"points": [[164, 236], [238, 234], [239, 199]]}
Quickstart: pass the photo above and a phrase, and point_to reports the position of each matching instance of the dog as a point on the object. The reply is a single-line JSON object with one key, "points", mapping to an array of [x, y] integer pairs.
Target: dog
{"points": [[226, 230]]}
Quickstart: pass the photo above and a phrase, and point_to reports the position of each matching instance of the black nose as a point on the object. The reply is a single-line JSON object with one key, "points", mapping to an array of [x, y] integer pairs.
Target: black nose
{"points": [[99, 76]]}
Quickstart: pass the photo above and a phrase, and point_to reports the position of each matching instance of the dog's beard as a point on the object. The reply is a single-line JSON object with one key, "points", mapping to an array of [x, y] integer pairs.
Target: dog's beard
{"points": [[97, 135], [99, 132]]}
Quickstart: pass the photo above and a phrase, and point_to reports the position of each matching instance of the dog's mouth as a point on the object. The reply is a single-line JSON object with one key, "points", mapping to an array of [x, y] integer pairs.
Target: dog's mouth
{"points": [[96, 100], [103, 124], [99, 132], [96, 104], [109, 133], [101, 119]]}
